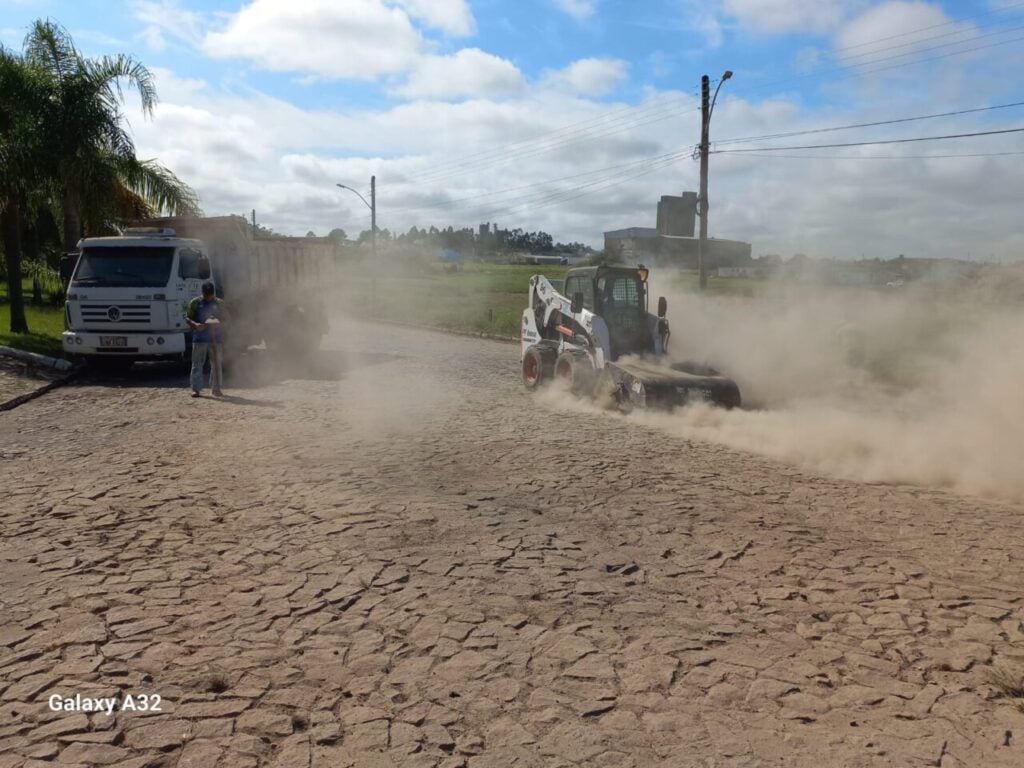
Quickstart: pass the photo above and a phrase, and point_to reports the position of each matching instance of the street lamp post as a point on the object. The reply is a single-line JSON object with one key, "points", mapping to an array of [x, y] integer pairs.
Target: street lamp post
{"points": [[707, 106], [372, 205]]}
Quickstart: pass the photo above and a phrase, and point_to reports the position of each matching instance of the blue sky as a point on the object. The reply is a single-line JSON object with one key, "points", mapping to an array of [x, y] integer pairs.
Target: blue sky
{"points": [[564, 115]]}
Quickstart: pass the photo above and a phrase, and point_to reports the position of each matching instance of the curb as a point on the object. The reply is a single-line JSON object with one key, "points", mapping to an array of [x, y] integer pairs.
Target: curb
{"points": [[14, 402], [40, 361]]}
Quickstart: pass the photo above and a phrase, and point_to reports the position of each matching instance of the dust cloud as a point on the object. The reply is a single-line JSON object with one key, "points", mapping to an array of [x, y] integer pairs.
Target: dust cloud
{"points": [[389, 402], [918, 385]]}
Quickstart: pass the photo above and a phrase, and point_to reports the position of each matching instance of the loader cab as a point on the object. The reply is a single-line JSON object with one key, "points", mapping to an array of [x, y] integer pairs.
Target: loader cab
{"points": [[618, 295]]}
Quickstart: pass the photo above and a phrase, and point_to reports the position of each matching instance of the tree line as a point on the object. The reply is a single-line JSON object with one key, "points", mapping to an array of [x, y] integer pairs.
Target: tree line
{"points": [[467, 240], [67, 162]]}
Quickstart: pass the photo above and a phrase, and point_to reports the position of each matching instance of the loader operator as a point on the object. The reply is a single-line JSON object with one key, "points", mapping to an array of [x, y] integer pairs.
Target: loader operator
{"points": [[205, 315]]}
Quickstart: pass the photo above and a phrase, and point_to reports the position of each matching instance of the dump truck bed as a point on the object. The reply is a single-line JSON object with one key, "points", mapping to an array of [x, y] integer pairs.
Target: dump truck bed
{"points": [[647, 383]]}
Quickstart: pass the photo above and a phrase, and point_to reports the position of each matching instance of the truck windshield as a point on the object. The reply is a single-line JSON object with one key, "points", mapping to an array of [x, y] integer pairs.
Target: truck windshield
{"points": [[141, 267]]}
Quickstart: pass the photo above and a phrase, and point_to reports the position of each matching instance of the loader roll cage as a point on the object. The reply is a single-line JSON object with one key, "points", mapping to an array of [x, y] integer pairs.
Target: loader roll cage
{"points": [[619, 296], [606, 288]]}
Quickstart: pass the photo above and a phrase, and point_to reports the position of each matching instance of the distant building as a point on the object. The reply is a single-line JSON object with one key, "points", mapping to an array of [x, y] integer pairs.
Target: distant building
{"points": [[672, 242], [559, 260], [740, 272], [643, 244], [631, 244], [677, 215]]}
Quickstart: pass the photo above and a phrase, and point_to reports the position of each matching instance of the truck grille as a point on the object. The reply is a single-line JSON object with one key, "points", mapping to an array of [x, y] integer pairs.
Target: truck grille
{"points": [[111, 315]]}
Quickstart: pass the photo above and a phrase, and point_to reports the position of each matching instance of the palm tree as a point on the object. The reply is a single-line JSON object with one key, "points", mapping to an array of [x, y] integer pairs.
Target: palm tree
{"points": [[94, 160], [22, 143], [63, 146]]}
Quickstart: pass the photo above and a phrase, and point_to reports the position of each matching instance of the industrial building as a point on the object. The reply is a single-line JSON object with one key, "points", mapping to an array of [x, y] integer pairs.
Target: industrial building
{"points": [[672, 241]]}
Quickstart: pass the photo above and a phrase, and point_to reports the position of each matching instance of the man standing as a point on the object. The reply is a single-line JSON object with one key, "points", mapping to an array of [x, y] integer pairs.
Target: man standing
{"points": [[205, 315]]}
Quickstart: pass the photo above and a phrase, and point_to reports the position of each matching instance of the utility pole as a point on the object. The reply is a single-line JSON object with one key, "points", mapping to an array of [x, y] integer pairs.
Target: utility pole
{"points": [[707, 107], [705, 119], [372, 205], [373, 213]]}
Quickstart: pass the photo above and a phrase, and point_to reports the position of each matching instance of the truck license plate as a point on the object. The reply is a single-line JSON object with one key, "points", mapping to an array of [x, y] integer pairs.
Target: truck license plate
{"points": [[113, 341]]}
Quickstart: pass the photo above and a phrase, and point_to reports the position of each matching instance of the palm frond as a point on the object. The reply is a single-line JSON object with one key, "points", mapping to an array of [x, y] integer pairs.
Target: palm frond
{"points": [[108, 72], [48, 44], [159, 187]]}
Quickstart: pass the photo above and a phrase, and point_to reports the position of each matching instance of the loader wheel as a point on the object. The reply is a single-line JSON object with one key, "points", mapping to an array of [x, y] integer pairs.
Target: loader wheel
{"points": [[576, 371], [538, 366]]}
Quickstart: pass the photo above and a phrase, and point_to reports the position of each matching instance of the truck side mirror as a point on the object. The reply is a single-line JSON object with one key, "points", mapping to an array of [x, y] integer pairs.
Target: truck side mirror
{"points": [[203, 267], [662, 306], [577, 303], [67, 266]]}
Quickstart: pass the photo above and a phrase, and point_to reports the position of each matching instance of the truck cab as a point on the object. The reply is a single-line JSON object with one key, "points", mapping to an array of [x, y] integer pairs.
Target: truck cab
{"points": [[127, 296]]}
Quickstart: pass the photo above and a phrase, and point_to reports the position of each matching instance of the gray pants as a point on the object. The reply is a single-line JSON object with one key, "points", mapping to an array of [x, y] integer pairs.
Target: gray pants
{"points": [[200, 349]]}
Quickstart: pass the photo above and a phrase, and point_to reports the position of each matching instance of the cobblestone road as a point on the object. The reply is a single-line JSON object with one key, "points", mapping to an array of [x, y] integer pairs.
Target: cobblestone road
{"points": [[398, 559], [18, 378]]}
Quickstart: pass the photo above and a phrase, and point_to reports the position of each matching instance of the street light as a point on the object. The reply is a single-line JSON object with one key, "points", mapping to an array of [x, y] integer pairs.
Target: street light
{"points": [[706, 109], [372, 205]]}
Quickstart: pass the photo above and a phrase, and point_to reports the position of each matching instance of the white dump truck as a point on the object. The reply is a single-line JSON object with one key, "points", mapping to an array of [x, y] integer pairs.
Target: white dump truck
{"points": [[127, 295]]}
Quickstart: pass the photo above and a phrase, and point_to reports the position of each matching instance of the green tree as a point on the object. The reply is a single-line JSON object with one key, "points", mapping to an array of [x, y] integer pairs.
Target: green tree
{"points": [[22, 143]]}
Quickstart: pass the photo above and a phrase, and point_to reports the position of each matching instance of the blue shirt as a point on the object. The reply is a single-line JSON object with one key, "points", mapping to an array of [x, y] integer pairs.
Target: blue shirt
{"points": [[200, 310]]}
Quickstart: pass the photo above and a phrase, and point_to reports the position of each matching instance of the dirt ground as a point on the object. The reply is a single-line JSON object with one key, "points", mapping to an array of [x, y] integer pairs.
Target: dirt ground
{"points": [[395, 557]]}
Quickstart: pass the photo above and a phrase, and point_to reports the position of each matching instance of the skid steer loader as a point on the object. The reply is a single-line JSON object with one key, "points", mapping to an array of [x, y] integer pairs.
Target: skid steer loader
{"points": [[598, 338]]}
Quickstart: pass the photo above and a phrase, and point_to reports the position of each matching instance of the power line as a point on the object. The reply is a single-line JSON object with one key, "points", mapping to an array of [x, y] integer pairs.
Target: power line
{"points": [[994, 31], [885, 157], [629, 117], [1003, 31], [933, 26], [582, 191], [543, 183], [545, 197], [830, 69], [624, 172], [869, 143], [612, 118], [868, 125], [457, 168]]}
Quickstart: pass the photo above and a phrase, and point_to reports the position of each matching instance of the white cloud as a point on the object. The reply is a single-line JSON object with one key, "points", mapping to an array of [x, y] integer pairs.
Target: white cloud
{"points": [[470, 72], [589, 76], [174, 89], [165, 19], [441, 162], [893, 26], [707, 25], [807, 59], [451, 16], [580, 9], [357, 39], [780, 16], [245, 151]]}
